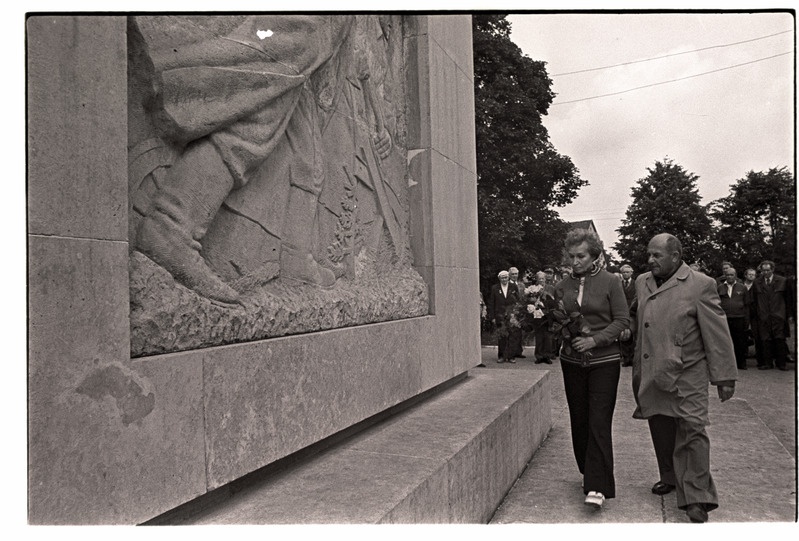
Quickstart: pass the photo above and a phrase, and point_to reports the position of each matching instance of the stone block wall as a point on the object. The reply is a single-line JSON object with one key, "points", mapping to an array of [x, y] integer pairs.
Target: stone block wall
{"points": [[118, 440]]}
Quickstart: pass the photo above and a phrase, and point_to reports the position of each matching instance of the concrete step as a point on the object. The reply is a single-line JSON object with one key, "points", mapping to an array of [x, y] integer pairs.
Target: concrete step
{"points": [[449, 459]]}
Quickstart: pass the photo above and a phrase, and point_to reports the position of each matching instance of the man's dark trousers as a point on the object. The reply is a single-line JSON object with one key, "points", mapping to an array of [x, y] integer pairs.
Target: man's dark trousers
{"points": [[737, 326], [777, 349], [689, 468]]}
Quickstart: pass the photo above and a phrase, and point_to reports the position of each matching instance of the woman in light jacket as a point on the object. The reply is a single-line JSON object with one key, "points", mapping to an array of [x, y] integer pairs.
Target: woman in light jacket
{"points": [[591, 361]]}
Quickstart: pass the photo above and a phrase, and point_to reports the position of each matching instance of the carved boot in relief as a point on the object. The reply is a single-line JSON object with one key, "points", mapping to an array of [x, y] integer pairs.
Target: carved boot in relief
{"points": [[180, 214], [296, 260]]}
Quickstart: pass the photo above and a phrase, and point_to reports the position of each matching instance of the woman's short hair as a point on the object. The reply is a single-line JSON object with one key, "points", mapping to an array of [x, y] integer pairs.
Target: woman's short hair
{"points": [[578, 236]]}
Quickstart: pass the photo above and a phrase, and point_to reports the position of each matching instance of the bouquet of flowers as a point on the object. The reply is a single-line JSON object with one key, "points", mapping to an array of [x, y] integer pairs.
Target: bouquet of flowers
{"points": [[530, 311], [569, 325]]}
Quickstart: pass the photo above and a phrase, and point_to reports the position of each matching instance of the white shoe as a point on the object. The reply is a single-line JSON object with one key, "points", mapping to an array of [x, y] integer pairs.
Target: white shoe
{"points": [[595, 499]]}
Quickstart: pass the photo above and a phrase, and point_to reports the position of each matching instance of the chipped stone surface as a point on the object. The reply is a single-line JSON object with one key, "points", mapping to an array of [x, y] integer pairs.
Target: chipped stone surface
{"points": [[131, 401]]}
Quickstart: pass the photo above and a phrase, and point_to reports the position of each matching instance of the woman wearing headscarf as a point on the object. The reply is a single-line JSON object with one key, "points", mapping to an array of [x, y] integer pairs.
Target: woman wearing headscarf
{"points": [[591, 360]]}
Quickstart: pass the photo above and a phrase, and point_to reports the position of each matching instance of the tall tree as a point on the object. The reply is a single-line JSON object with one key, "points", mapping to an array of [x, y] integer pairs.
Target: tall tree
{"points": [[520, 175], [665, 201], [756, 221]]}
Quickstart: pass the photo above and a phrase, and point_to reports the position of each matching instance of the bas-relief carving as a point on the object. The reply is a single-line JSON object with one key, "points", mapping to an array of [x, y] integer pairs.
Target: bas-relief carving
{"points": [[268, 178]]}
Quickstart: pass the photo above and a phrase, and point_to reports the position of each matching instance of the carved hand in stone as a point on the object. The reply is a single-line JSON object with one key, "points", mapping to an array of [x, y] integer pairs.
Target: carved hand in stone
{"points": [[382, 143]]}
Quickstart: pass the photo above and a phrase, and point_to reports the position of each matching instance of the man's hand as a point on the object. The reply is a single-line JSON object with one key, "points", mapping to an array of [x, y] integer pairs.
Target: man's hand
{"points": [[726, 392], [625, 335]]}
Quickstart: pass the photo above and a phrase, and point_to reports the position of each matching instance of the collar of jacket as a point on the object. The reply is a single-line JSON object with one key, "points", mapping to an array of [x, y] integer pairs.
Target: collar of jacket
{"points": [[680, 275]]}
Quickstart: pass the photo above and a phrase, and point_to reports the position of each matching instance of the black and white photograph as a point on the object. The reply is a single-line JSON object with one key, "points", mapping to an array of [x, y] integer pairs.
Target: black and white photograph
{"points": [[524, 266]]}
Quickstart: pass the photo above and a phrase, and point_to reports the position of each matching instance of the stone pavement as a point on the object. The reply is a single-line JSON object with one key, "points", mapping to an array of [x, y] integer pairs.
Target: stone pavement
{"points": [[752, 445]]}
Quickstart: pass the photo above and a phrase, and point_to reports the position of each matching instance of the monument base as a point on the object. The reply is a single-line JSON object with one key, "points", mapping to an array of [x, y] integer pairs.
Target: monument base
{"points": [[449, 459]]}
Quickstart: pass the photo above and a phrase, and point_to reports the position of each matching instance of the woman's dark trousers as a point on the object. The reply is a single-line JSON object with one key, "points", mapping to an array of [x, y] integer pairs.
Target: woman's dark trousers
{"points": [[591, 395]]}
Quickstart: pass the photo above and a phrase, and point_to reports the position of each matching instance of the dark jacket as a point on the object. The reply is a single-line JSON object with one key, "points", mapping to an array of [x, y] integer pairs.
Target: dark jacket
{"points": [[629, 291], [604, 309], [738, 305], [498, 303], [772, 305]]}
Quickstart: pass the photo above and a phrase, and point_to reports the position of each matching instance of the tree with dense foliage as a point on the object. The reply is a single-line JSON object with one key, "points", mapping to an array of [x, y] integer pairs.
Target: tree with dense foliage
{"points": [[520, 175], [665, 201], [756, 221]]}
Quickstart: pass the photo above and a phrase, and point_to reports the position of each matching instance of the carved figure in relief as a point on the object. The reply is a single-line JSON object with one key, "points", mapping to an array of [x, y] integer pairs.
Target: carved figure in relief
{"points": [[224, 101]]}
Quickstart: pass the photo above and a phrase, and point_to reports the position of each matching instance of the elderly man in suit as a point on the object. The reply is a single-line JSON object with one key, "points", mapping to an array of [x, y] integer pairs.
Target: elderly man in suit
{"points": [[683, 345], [628, 286], [503, 297], [772, 306]]}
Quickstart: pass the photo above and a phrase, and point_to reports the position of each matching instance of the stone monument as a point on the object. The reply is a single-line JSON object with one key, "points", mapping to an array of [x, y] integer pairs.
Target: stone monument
{"points": [[246, 234], [268, 178]]}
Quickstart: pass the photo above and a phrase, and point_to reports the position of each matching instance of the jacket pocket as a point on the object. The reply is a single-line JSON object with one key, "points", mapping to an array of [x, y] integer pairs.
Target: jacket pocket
{"points": [[669, 370], [670, 367]]}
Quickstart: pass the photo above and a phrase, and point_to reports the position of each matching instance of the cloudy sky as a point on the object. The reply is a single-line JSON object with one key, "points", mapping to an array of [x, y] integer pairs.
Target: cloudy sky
{"points": [[718, 125]]}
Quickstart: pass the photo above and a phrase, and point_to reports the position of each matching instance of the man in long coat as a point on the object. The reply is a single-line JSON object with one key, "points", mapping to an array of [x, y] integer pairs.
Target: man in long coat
{"points": [[683, 345], [772, 306]]}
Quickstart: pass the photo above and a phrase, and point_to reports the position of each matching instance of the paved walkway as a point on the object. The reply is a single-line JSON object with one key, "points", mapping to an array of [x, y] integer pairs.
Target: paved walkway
{"points": [[753, 458]]}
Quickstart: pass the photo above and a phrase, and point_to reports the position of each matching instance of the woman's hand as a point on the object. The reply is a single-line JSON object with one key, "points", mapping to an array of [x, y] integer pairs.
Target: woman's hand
{"points": [[583, 344]]}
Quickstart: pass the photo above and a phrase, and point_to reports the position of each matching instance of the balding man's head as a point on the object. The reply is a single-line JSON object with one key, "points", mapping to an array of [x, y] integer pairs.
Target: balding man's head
{"points": [[665, 254]]}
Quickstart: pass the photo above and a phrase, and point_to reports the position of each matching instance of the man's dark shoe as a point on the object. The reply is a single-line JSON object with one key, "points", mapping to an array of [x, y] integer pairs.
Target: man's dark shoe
{"points": [[548, 361], [660, 488], [539, 361], [696, 512], [521, 356], [783, 368]]}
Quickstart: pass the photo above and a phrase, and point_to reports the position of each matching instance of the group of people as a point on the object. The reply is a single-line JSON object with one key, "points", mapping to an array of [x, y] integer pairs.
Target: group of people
{"points": [[504, 295], [672, 325], [758, 308]]}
